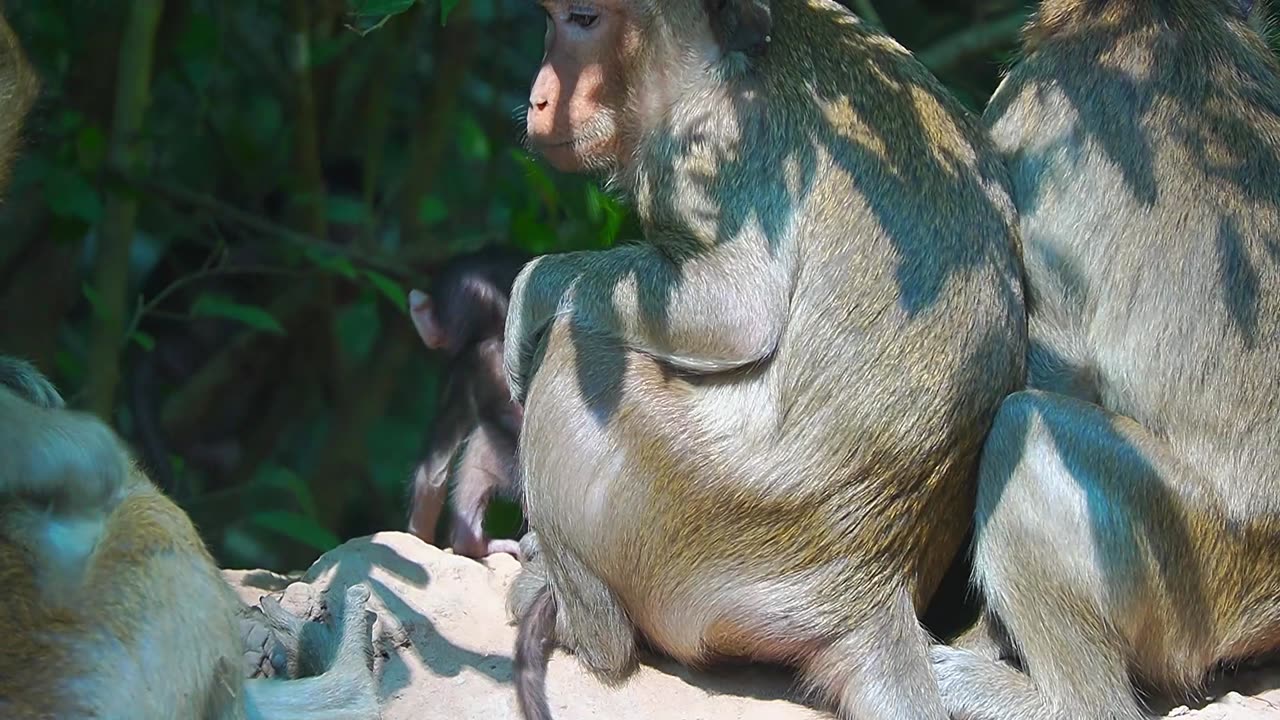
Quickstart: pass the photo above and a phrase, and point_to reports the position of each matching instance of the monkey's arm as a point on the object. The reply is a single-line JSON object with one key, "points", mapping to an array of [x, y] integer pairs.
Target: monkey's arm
{"points": [[704, 312]]}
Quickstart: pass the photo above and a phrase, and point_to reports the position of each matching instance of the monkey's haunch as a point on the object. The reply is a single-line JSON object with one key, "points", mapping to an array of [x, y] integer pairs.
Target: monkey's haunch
{"points": [[534, 644]]}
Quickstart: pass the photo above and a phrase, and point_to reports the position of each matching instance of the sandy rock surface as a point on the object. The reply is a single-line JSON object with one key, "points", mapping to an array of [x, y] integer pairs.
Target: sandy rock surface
{"points": [[444, 648]]}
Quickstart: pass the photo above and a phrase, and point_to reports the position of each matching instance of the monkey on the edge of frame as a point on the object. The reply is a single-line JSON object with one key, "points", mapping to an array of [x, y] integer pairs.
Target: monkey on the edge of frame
{"points": [[754, 434], [1127, 527], [471, 449], [113, 608]]}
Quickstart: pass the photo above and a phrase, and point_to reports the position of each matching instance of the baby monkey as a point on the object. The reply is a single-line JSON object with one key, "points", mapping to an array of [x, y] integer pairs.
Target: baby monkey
{"points": [[471, 450], [114, 608]]}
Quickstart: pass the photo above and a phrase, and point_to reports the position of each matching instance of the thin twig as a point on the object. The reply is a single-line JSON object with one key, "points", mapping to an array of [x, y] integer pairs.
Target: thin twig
{"points": [[183, 196], [210, 269]]}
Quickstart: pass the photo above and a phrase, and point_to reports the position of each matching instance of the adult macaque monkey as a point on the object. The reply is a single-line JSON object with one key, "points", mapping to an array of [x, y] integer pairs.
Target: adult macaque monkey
{"points": [[754, 434], [114, 609], [471, 452], [1128, 517]]}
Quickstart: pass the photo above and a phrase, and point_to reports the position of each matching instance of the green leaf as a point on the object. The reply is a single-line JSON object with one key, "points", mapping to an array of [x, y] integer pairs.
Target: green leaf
{"points": [[379, 7], [332, 262], [604, 210], [69, 194], [472, 140], [340, 209], [219, 306], [145, 341], [66, 121], [358, 326], [369, 15], [91, 147], [532, 235], [94, 298], [446, 7], [538, 179], [198, 48], [297, 526], [271, 475], [432, 210], [389, 288]]}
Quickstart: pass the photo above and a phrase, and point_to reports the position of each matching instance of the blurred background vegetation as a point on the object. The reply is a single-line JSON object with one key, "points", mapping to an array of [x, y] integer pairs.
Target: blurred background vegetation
{"points": [[220, 207]]}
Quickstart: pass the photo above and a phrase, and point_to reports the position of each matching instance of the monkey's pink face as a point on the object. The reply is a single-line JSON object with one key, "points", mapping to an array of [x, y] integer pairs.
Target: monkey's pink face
{"points": [[580, 86]]}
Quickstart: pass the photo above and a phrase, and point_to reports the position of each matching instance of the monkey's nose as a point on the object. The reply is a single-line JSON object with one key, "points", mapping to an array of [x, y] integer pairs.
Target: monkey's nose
{"points": [[538, 103]]}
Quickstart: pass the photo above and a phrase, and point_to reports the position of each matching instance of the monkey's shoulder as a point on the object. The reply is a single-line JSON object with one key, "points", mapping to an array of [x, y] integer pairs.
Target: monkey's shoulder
{"points": [[147, 522]]}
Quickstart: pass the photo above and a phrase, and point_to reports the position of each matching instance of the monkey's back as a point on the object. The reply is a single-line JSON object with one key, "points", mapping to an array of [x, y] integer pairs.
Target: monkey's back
{"points": [[151, 628], [1150, 200], [908, 301]]}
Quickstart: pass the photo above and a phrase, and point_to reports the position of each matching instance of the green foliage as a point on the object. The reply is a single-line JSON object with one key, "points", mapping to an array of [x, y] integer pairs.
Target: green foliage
{"points": [[389, 288], [369, 15], [211, 305], [298, 527]]}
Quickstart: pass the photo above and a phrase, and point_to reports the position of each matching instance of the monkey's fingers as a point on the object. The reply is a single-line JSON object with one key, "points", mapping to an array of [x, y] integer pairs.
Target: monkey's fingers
{"points": [[355, 649], [279, 619]]}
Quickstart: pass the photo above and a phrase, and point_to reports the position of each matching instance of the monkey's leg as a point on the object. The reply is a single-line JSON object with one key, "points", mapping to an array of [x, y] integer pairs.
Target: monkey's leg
{"points": [[590, 620], [483, 471], [986, 638], [427, 501], [880, 670], [1074, 534]]}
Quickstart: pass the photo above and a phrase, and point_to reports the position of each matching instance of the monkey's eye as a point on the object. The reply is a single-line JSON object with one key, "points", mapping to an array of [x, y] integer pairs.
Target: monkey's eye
{"points": [[582, 18]]}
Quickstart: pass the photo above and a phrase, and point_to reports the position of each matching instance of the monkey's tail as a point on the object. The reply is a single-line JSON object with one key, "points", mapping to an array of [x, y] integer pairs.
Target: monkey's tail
{"points": [[534, 643]]}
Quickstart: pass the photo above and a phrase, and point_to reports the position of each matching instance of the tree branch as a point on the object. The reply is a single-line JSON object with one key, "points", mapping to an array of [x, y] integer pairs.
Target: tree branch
{"points": [[111, 270]]}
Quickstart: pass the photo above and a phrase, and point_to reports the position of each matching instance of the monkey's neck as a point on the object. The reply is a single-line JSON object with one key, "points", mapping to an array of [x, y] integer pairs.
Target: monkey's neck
{"points": [[687, 177]]}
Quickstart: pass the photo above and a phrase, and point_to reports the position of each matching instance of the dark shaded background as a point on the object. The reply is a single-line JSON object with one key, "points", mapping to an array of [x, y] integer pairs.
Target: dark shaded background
{"points": [[221, 205]]}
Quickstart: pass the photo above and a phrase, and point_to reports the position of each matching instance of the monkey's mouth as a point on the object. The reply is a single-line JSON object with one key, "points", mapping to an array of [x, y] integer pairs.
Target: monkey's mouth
{"points": [[576, 143], [570, 154], [590, 141]]}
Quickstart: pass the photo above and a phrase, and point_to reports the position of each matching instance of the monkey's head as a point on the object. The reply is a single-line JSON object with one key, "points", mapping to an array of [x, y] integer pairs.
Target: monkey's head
{"points": [[468, 300], [1234, 9], [611, 67]]}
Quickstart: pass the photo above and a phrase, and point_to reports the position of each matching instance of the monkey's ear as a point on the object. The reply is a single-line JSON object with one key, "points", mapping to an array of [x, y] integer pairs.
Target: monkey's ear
{"points": [[741, 25], [424, 319]]}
